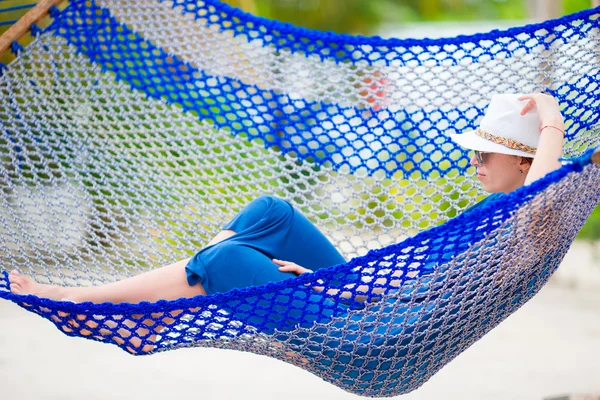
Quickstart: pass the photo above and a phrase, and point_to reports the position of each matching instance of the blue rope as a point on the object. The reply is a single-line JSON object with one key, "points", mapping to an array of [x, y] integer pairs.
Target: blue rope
{"points": [[311, 42], [36, 30], [11, 22], [16, 48], [14, 8], [500, 209], [215, 99]]}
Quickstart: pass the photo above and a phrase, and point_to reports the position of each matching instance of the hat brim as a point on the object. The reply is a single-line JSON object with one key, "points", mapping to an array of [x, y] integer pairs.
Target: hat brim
{"points": [[471, 141]]}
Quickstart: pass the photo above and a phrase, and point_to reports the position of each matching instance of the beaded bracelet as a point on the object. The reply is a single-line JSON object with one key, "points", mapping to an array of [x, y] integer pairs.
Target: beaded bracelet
{"points": [[551, 126]]}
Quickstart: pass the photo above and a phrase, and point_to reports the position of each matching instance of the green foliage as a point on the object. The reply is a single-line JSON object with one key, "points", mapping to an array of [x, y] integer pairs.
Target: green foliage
{"points": [[364, 17], [571, 6], [591, 229]]}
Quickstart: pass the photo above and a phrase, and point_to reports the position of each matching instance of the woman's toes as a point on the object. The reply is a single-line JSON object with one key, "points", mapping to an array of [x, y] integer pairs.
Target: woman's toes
{"points": [[16, 288], [15, 278], [19, 284]]}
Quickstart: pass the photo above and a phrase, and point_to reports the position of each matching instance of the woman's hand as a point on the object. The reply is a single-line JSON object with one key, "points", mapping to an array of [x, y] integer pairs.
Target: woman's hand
{"points": [[550, 146], [547, 108], [352, 292], [288, 266]]}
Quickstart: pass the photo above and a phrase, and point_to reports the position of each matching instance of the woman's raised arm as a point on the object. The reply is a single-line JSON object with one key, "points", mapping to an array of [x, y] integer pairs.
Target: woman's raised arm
{"points": [[552, 131]]}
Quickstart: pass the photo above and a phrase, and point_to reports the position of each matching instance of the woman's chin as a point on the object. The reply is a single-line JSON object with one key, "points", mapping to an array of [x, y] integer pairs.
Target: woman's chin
{"points": [[486, 188], [486, 185]]}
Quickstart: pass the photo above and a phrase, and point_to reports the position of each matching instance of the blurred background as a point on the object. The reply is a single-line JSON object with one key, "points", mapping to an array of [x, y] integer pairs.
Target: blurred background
{"points": [[385, 18], [409, 18], [548, 350]]}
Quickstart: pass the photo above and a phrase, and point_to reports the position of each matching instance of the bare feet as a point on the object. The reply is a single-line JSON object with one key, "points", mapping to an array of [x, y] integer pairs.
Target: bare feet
{"points": [[137, 337], [20, 284]]}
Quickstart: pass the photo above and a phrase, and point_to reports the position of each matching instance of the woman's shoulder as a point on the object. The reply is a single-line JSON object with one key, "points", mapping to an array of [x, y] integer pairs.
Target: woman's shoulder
{"points": [[491, 197]]}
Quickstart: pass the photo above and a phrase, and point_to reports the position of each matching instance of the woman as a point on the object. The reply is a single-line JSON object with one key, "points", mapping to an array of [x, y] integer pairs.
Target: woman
{"points": [[251, 249]]}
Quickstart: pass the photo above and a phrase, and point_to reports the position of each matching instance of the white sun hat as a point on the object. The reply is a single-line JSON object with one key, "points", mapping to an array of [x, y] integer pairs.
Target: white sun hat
{"points": [[503, 129]]}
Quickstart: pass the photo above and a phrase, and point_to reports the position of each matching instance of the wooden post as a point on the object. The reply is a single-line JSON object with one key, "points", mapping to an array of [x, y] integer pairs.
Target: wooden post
{"points": [[21, 27], [543, 10]]}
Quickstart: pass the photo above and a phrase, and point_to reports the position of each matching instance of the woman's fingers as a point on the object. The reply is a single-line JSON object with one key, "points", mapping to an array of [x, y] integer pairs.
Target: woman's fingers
{"points": [[291, 268], [528, 106], [288, 266], [547, 107], [294, 268]]}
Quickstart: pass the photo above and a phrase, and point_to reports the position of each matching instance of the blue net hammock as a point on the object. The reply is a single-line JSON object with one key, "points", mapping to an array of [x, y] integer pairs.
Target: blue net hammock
{"points": [[128, 140]]}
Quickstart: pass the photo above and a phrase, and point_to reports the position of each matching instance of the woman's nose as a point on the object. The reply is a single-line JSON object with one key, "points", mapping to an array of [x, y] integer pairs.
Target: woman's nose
{"points": [[473, 160]]}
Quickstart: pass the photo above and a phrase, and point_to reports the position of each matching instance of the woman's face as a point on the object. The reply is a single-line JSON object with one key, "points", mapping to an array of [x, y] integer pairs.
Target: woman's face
{"points": [[500, 172]]}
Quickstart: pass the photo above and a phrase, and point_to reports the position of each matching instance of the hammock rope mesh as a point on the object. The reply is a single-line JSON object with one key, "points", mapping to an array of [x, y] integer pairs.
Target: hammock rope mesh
{"points": [[128, 140]]}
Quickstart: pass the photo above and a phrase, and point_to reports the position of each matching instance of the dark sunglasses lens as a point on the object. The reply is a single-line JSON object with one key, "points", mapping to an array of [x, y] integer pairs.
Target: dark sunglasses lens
{"points": [[479, 157]]}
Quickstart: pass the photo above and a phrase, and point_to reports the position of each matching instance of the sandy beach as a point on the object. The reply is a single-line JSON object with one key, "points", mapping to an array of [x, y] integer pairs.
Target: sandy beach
{"points": [[550, 347]]}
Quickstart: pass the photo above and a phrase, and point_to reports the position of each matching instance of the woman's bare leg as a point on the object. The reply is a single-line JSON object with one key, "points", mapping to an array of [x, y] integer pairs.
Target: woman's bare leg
{"points": [[166, 283], [221, 236]]}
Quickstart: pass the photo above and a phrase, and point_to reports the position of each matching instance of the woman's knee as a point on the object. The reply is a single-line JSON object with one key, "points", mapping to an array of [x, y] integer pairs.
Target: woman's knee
{"points": [[269, 198], [272, 204]]}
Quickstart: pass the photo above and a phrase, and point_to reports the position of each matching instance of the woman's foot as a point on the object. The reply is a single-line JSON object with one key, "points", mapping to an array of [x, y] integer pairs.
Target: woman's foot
{"points": [[20, 284]]}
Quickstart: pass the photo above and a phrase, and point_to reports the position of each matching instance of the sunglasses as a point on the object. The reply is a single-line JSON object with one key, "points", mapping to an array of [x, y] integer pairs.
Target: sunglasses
{"points": [[479, 155]]}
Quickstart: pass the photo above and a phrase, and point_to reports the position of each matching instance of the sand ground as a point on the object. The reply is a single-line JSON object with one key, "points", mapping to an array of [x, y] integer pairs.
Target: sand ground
{"points": [[551, 346]]}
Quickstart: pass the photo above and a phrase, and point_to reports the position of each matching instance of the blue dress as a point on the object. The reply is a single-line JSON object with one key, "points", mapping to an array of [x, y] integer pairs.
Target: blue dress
{"points": [[268, 227], [489, 198]]}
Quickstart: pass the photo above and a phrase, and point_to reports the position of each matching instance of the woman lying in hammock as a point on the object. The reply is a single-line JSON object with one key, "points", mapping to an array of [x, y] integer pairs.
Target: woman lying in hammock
{"points": [[267, 240]]}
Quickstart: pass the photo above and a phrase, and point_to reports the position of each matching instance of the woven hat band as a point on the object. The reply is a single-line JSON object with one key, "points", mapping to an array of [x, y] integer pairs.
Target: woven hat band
{"points": [[510, 143]]}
